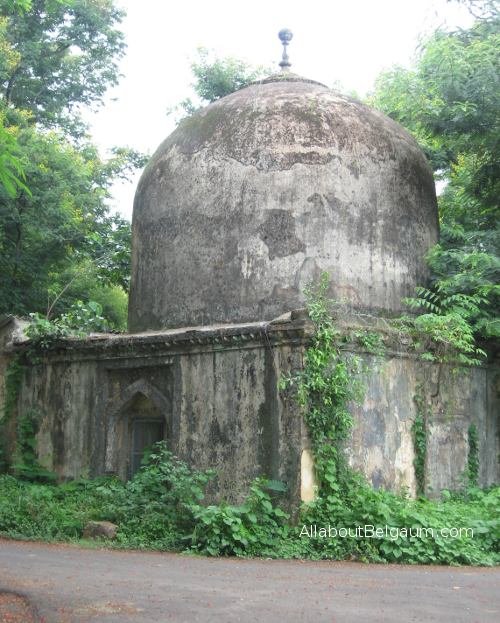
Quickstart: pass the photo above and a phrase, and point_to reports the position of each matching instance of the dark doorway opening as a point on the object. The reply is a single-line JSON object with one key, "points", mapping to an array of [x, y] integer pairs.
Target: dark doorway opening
{"points": [[145, 433], [146, 426]]}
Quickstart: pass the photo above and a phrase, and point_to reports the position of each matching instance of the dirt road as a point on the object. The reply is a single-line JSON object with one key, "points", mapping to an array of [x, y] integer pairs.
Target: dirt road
{"points": [[68, 584]]}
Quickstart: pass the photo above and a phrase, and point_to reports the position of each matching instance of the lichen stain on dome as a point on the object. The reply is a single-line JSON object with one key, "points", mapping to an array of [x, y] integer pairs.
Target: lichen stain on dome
{"points": [[298, 123], [278, 233]]}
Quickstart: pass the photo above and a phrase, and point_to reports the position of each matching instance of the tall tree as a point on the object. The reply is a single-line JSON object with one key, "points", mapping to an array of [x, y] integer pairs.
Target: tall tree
{"points": [[58, 242], [62, 222], [450, 101], [11, 168], [64, 55], [215, 77], [12, 173]]}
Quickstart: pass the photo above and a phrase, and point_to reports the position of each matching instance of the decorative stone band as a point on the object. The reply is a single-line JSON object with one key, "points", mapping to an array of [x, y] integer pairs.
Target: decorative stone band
{"points": [[157, 344], [158, 347]]}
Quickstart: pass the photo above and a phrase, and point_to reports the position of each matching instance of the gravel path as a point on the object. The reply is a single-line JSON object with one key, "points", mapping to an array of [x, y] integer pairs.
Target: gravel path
{"points": [[67, 584]]}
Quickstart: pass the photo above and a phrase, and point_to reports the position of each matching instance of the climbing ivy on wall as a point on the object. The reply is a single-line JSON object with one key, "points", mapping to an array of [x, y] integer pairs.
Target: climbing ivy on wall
{"points": [[419, 431], [473, 456], [325, 386], [12, 385], [24, 462]]}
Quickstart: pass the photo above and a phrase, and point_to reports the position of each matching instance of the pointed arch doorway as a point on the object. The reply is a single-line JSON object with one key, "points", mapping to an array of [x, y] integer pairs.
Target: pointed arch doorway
{"points": [[136, 424], [146, 427]]}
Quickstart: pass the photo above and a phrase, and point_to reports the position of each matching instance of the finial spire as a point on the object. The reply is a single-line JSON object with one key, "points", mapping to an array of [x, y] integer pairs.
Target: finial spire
{"points": [[285, 36]]}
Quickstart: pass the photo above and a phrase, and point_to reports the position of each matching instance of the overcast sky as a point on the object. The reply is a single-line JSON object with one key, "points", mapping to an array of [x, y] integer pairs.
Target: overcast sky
{"points": [[346, 41]]}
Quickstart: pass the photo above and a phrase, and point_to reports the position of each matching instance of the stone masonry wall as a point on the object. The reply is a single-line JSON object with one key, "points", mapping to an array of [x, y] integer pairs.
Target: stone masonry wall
{"points": [[216, 391]]}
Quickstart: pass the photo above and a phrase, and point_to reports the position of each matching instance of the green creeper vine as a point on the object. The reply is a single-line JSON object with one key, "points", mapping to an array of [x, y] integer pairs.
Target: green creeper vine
{"points": [[473, 456], [370, 341], [324, 387], [13, 379], [419, 430], [24, 463]]}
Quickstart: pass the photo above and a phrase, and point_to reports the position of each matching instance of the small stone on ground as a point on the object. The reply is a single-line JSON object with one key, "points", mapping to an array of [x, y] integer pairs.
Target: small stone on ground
{"points": [[96, 529]]}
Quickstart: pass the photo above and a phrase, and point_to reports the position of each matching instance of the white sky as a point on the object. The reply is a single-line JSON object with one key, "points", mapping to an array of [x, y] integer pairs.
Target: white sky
{"points": [[346, 41]]}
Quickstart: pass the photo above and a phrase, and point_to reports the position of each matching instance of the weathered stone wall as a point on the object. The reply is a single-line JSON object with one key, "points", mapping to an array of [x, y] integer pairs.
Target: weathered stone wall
{"points": [[11, 328], [382, 441], [216, 389]]}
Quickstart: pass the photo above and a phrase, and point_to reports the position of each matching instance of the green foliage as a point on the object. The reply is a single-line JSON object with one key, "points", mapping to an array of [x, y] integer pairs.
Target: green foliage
{"points": [[324, 388], [50, 512], [67, 54], [12, 173], [252, 529], [43, 248], [467, 265], [108, 249], [12, 385], [20, 6], [155, 508], [445, 331], [26, 465], [57, 56], [93, 280], [43, 332], [450, 102], [113, 302], [81, 281], [161, 507], [216, 77], [363, 506], [449, 99], [81, 319], [35, 242], [370, 341], [473, 456], [84, 317]]}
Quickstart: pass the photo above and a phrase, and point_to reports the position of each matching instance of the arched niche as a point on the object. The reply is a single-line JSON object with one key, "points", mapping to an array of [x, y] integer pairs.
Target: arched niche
{"points": [[140, 419]]}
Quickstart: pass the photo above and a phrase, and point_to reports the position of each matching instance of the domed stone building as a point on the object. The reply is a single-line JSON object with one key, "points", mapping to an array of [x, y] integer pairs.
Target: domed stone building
{"points": [[243, 205], [251, 198]]}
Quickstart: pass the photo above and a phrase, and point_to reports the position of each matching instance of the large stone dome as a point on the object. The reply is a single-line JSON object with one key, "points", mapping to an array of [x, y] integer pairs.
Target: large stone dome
{"points": [[255, 195]]}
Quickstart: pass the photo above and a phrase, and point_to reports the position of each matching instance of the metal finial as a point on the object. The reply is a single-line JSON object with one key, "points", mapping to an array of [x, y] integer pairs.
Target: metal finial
{"points": [[285, 36]]}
